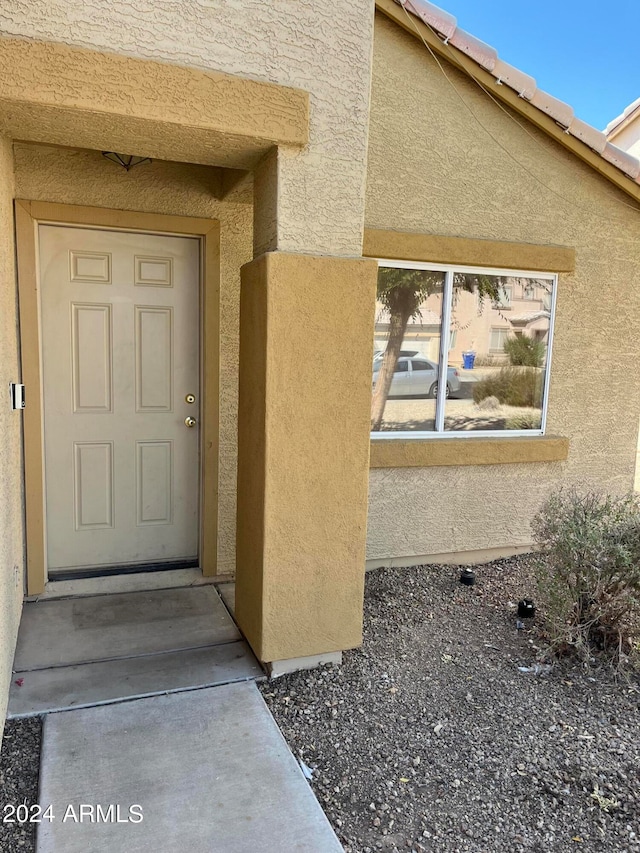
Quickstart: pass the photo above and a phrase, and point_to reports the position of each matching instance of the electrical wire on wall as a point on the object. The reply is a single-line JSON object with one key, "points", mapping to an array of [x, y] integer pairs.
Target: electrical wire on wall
{"points": [[414, 24]]}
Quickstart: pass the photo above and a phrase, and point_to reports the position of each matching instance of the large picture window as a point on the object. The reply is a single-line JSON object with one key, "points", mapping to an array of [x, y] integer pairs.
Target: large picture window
{"points": [[489, 373]]}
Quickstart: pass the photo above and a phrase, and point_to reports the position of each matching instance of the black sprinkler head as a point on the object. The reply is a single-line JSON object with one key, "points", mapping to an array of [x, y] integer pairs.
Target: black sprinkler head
{"points": [[467, 577], [526, 609]]}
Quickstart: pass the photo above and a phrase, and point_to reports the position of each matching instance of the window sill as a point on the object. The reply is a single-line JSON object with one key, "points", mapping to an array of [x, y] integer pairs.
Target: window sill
{"points": [[427, 453]]}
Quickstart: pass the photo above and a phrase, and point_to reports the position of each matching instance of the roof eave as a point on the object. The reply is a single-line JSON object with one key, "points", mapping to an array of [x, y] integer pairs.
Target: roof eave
{"points": [[508, 96], [618, 125]]}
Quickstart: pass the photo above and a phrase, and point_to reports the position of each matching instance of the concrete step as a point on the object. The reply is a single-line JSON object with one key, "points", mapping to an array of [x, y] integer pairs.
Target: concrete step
{"points": [[102, 627], [62, 688], [209, 770]]}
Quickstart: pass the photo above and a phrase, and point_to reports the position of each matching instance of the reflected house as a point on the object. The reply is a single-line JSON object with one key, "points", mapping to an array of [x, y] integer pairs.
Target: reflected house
{"points": [[533, 324], [503, 319], [483, 327], [478, 326], [423, 330]]}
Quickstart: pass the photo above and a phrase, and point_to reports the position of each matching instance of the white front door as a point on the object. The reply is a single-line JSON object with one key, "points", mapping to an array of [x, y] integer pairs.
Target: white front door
{"points": [[120, 359]]}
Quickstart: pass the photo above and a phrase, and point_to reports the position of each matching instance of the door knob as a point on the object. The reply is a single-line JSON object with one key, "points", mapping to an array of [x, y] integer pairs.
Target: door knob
{"points": [[190, 422]]}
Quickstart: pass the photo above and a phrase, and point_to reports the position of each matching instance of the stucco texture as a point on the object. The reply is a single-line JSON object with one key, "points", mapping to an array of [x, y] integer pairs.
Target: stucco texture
{"points": [[154, 109], [322, 48], [11, 525], [434, 169], [303, 452], [86, 178]]}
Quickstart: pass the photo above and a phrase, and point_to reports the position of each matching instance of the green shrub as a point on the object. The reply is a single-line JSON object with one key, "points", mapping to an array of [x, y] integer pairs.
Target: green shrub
{"points": [[589, 572], [513, 386], [524, 351], [527, 420]]}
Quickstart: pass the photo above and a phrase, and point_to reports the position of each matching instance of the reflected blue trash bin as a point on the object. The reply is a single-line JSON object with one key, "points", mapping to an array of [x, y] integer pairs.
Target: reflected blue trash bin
{"points": [[468, 360]]}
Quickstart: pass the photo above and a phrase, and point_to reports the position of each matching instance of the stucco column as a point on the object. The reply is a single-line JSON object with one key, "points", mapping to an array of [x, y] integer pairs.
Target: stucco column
{"points": [[306, 339]]}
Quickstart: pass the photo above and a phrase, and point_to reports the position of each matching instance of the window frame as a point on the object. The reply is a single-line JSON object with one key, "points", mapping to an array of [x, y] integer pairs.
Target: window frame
{"points": [[498, 329], [445, 320]]}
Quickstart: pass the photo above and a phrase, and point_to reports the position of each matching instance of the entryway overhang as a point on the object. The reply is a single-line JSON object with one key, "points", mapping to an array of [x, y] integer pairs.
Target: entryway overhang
{"points": [[69, 96], [73, 97]]}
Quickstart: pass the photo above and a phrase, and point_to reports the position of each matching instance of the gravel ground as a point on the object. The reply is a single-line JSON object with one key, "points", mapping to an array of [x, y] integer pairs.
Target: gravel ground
{"points": [[416, 414], [429, 738], [19, 768]]}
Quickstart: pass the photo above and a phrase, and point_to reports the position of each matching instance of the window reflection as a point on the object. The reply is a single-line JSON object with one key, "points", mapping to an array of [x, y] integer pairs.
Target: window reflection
{"points": [[502, 325], [406, 349], [497, 351]]}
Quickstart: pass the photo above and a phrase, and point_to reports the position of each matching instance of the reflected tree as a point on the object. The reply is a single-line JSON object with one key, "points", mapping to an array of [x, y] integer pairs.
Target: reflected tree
{"points": [[401, 293]]}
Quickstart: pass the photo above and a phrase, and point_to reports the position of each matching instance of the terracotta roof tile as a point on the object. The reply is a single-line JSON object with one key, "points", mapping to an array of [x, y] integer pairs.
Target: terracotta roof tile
{"points": [[558, 110], [588, 134], [446, 25], [529, 317], [433, 16], [477, 50], [522, 83], [627, 163]]}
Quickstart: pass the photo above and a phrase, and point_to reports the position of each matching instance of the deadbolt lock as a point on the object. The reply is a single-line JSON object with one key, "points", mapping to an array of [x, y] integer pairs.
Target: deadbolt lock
{"points": [[190, 422], [190, 398]]}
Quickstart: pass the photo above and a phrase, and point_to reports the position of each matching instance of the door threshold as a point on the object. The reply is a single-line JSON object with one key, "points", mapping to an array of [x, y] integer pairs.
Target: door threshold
{"points": [[126, 569], [139, 582]]}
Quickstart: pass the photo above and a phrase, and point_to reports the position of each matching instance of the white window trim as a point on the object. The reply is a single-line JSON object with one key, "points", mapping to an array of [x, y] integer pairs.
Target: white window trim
{"points": [[449, 270], [493, 329]]}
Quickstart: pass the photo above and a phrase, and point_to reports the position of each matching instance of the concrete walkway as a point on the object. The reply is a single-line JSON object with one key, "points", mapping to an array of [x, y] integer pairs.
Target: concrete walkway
{"points": [[155, 735], [208, 770]]}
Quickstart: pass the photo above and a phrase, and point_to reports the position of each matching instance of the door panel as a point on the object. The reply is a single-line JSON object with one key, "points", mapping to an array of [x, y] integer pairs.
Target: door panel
{"points": [[93, 497], [154, 482], [120, 349], [91, 357], [154, 361]]}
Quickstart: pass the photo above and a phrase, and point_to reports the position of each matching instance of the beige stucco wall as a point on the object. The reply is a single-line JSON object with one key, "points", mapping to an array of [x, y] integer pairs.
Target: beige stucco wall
{"points": [[629, 140], [432, 168], [11, 527], [323, 48], [86, 178]]}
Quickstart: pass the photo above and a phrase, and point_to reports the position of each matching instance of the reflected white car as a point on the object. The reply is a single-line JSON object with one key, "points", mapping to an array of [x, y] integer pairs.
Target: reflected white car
{"points": [[416, 375]]}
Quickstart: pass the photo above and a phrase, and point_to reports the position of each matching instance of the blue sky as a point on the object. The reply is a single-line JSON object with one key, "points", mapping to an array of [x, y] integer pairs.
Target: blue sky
{"points": [[583, 52]]}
